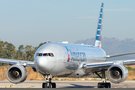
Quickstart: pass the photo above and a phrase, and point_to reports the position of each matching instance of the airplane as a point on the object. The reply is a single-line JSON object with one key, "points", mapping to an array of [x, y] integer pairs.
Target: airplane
{"points": [[57, 59]]}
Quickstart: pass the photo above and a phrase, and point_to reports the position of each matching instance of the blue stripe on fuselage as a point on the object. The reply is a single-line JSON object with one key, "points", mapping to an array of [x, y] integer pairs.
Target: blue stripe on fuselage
{"points": [[66, 48]]}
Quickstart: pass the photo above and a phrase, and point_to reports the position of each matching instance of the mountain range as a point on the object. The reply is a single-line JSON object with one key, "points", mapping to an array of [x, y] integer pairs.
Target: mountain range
{"points": [[114, 46]]}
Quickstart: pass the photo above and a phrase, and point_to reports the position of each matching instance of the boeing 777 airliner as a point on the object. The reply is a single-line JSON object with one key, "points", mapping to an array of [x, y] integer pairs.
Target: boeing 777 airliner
{"points": [[57, 59]]}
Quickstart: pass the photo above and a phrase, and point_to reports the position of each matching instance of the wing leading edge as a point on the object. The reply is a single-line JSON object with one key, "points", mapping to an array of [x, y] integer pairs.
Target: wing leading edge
{"points": [[21, 62], [92, 67], [105, 65]]}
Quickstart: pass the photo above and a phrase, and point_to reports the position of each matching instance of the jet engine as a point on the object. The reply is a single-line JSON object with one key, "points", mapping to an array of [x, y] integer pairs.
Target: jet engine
{"points": [[16, 74], [117, 73]]}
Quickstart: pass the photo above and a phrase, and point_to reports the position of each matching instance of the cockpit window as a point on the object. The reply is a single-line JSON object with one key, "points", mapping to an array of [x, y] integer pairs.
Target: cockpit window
{"points": [[39, 54], [45, 54], [51, 54]]}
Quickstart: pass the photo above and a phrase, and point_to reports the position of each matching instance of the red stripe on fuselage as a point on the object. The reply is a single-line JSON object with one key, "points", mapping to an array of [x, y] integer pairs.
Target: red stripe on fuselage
{"points": [[68, 58]]}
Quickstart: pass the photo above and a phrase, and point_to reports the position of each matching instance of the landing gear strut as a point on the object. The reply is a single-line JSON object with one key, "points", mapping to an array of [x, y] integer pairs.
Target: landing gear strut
{"points": [[103, 84], [48, 83]]}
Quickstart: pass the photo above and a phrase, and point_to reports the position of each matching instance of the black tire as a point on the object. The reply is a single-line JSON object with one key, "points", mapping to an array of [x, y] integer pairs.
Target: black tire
{"points": [[44, 85], [107, 85], [53, 85], [101, 85]]}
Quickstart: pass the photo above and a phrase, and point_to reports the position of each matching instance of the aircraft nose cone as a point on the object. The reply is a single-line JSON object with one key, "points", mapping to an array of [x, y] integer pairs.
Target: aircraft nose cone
{"points": [[41, 64]]}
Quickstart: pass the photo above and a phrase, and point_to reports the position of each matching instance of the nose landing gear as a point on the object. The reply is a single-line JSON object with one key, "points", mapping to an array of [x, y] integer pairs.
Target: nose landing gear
{"points": [[48, 83]]}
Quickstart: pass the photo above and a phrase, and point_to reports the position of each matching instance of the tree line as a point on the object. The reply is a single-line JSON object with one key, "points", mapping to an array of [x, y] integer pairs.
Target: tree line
{"points": [[8, 51]]}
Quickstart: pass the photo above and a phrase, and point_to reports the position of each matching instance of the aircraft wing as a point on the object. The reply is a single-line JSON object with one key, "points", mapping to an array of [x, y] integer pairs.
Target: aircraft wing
{"points": [[92, 67], [105, 65], [117, 55], [21, 62], [129, 62]]}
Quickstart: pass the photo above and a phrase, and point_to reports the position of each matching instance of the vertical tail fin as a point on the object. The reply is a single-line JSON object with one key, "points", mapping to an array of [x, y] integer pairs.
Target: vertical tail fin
{"points": [[99, 28]]}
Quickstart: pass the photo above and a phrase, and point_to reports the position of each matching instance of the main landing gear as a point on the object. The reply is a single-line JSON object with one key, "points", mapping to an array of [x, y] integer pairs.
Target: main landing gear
{"points": [[103, 84], [48, 83]]}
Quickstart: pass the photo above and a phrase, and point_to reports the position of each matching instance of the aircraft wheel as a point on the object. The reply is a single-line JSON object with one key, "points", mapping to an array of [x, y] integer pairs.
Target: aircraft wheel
{"points": [[107, 85], [53, 85], [44, 85], [101, 85], [104, 85]]}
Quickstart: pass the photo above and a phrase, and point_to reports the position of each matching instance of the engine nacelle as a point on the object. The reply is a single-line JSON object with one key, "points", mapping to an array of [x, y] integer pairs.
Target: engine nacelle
{"points": [[117, 73], [16, 74]]}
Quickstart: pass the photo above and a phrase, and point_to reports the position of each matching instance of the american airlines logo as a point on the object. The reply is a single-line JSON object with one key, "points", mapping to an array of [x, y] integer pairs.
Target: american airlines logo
{"points": [[76, 56]]}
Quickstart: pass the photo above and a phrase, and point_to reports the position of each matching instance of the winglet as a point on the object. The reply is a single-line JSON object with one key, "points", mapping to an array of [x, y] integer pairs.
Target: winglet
{"points": [[99, 28]]}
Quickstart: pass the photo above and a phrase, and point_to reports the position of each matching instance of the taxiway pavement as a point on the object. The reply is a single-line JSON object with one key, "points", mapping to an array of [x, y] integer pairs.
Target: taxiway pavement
{"points": [[65, 84]]}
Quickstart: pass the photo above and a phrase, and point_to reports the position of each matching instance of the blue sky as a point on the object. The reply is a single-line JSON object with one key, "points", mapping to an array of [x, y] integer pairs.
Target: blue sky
{"points": [[30, 22]]}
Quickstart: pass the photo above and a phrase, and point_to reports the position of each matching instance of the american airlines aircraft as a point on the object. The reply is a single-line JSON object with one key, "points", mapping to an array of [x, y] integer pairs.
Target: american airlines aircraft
{"points": [[57, 59]]}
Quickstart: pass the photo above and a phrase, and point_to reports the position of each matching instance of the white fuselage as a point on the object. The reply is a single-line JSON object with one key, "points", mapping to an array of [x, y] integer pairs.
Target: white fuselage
{"points": [[60, 59]]}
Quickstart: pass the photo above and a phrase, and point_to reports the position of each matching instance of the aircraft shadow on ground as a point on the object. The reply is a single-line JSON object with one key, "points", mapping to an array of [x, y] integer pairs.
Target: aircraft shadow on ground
{"points": [[78, 86]]}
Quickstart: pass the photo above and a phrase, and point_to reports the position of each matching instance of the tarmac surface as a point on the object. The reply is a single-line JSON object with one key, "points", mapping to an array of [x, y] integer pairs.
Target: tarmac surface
{"points": [[65, 84]]}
